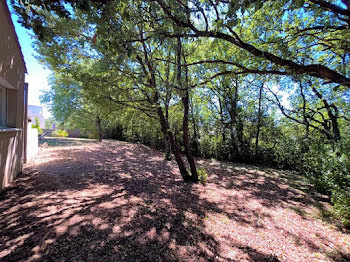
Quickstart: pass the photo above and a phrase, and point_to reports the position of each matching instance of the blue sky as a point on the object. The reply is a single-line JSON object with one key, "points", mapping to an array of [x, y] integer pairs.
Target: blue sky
{"points": [[37, 74]]}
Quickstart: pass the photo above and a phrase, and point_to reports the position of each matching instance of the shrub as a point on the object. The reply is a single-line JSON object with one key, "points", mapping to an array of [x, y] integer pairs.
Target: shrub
{"points": [[341, 200], [91, 135], [60, 133], [202, 175], [328, 167], [167, 156]]}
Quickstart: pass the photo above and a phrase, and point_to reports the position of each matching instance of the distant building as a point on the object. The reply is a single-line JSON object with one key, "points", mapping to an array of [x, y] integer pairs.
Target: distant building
{"points": [[36, 111]]}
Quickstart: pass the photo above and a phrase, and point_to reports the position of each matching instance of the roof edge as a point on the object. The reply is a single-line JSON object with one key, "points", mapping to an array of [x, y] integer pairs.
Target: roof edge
{"points": [[14, 30]]}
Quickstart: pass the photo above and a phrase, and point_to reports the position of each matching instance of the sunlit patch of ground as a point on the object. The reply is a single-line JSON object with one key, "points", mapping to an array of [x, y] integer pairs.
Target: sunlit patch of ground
{"points": [[116, 201]]}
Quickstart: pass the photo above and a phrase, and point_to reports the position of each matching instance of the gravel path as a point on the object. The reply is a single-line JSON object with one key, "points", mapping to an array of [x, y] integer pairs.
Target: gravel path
{"points": [[115, 201]]}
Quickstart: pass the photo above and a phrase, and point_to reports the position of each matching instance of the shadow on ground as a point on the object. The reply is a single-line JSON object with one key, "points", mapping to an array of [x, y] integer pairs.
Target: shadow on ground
{"points": [[123, 202], [58, 141]]}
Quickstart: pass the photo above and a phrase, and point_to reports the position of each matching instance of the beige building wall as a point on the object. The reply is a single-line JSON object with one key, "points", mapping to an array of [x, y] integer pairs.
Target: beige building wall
{"points": [[12, 66], [12, 73], [11, 161]]}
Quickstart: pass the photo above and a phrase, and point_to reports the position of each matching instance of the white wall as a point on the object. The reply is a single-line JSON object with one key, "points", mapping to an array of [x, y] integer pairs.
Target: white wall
{"points": [[32, 142]]}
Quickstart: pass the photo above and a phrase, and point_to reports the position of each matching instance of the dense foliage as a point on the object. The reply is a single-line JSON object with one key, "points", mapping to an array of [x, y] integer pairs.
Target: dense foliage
{"points": [[263, 82]]}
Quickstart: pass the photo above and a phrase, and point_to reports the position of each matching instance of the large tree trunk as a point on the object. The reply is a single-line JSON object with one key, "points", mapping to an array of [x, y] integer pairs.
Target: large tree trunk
{"points": [[185, 102], [186, 139], [175, 149]]}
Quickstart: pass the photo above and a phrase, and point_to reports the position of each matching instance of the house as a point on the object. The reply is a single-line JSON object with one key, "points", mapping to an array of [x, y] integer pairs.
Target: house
{"points": [[36, 112], [13, 101]]}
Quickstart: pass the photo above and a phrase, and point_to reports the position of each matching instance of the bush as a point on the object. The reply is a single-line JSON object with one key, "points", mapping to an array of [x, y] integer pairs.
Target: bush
{"points": [[341, 200], [91, 135], [213, 147], [60, 133], [202, 175], [327, 165]]}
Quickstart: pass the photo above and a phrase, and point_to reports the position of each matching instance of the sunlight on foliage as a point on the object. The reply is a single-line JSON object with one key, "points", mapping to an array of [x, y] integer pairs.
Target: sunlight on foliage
{"points": [[60, 133]]}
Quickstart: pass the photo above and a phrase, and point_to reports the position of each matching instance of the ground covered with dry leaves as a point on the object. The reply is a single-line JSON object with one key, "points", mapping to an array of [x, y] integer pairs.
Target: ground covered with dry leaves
{"points": [[116, 201]]}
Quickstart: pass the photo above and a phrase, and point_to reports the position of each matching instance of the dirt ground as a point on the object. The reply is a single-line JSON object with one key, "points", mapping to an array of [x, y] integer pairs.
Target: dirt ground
{"points": [[115, 201]]}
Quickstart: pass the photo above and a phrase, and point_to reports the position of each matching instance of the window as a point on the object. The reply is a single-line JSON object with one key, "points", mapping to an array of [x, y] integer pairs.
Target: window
{"points": [[3, 113]]}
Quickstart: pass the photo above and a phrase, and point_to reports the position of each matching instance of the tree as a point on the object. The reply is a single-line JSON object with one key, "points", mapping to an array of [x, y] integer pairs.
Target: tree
{"points": [[133, 78], [37, 125], [249, 81], [71, 105]]}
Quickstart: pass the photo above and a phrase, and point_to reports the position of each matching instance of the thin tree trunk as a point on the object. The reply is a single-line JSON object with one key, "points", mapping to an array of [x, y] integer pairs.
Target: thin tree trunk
{"points": [[259, 121], [306, 122], [99, 128], [163, 122], [332, 116], [240, 127], [167, 154], [305, 144], [233, 120], [325, 123], [222, 120], [195, 132]]}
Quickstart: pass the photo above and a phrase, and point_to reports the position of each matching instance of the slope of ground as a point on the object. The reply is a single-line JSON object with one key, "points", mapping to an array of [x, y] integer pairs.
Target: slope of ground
{"points": [[116, 201]]}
